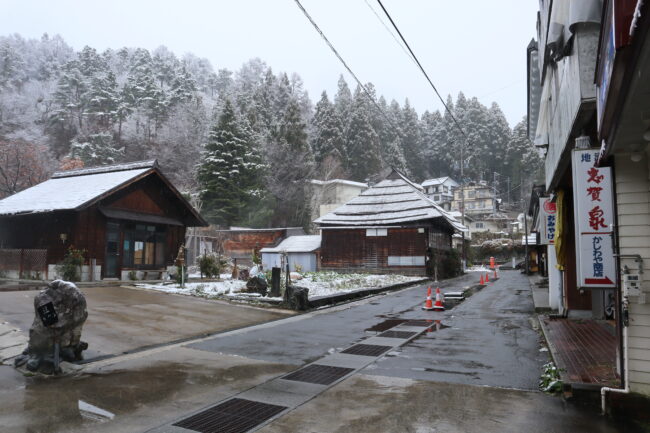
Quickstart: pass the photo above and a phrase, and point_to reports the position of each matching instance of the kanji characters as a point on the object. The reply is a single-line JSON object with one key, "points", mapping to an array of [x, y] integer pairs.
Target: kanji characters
{"points": [[594, 176], [596, 219], [594, 192]]}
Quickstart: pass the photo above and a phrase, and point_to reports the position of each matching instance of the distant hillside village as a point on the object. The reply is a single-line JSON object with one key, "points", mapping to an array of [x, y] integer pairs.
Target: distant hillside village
{"points": [[247, 160]]}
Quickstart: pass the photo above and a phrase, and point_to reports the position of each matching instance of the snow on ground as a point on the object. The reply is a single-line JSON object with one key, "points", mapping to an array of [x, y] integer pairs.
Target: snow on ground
{"points": [[207, 289], [329, 283], [318, 283]]}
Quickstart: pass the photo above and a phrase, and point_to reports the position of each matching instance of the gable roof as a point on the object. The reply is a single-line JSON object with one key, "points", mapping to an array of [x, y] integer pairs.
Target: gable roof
{"points": [[392, 201], [438, 181], [296, 244], [77, 189]]}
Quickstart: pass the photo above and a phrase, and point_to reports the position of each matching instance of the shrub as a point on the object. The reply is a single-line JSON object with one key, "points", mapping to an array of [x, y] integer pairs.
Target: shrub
{"points": [[70, 267], [211, 265], [133, 276]]}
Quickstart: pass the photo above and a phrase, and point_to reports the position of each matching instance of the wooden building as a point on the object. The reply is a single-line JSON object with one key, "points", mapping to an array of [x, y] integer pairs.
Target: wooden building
{"points": [[126, 217], [392, 227]]}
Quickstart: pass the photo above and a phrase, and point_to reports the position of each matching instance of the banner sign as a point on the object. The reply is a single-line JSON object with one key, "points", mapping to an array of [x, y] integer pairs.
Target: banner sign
{"points": [[546, 221], [594, 221]]}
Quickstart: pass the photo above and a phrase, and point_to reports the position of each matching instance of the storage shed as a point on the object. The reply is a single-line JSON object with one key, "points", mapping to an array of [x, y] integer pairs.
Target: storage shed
{"points": [[392, 227], [301, 251], [125, 217]]}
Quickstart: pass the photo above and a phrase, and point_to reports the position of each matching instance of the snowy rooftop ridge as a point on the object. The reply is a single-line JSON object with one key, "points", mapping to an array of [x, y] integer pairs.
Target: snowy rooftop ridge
{"points": [[151, 163], [296, 244], [340, 181], [394, 200]]}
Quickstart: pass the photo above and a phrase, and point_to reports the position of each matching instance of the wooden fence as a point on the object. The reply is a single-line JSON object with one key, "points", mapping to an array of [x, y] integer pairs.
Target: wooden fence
{"points": [[23, 263]]}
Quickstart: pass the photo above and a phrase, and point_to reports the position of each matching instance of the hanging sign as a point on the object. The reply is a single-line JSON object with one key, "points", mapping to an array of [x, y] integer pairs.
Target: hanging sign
{"points": [[594, 221], [546, 218]]}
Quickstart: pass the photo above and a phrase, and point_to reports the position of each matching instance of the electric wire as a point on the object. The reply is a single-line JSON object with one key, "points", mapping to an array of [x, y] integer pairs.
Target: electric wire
{"points": [[423, 71], [336, 53], [389, 31]]}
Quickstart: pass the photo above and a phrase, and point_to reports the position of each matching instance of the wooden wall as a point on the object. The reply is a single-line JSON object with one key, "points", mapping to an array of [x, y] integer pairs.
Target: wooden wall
{"points": [[351, 248], [240, 244]]}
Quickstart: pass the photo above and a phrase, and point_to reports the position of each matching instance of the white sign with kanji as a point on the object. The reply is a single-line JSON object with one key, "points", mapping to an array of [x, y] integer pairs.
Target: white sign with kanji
{"points": [[594, 221], [546, 217]]}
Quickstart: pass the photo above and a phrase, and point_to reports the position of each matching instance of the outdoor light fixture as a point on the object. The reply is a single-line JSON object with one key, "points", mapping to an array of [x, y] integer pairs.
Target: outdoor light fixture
{"points": [[636, 157], [63, 237]]}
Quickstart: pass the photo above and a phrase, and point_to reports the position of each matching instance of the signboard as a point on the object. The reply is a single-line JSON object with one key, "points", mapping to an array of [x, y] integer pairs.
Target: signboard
{"points": [[594, 221], [547, 213], [47, 313]]}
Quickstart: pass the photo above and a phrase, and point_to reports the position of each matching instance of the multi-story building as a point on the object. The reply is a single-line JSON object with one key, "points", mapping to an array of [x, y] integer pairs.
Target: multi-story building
{"points": [[480, 199], [588, 108], [330, 194], [440, 190]]}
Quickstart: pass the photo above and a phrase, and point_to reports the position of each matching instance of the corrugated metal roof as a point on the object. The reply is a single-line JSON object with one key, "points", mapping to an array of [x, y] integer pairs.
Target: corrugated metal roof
{"points": [[393, 200], [296, 244]]}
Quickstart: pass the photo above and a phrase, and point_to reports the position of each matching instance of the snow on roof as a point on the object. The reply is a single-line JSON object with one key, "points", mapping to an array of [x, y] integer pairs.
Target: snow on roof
{"points": [[438, 181], [393, 200], [68, 191], [296, 244], [106, 169], [341, 181]]}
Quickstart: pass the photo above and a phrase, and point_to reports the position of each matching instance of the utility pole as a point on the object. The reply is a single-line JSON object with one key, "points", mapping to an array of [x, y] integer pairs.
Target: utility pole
{"points": [[462, 204]]}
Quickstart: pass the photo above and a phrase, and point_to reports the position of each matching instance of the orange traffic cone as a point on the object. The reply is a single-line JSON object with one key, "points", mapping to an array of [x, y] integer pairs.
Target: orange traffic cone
{"points": [[482, 283], [428, 304], [438, 305], [487, 278]]}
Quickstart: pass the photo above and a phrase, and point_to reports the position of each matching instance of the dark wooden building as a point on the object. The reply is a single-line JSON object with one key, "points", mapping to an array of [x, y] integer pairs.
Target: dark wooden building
{"points": [[126, 217], [392, 227]]}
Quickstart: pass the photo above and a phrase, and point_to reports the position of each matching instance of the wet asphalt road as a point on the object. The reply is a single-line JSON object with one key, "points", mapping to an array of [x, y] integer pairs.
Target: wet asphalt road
{"points": [[486, 340]]}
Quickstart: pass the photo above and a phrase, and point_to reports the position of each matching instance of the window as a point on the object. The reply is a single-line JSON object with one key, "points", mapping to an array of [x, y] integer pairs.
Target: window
{"points": [[143, 246], [376, 232], [471, 194], [405, 260], [436, 197], [479, 225]]}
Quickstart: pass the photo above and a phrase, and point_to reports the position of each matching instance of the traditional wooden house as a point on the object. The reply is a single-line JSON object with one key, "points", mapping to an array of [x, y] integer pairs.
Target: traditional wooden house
{"points": [[392, 227], [126, 217]]}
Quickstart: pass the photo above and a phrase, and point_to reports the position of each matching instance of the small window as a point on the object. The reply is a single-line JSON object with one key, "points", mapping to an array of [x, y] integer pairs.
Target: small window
{"points": [[479, 225], [376, 232], [436, 197]]}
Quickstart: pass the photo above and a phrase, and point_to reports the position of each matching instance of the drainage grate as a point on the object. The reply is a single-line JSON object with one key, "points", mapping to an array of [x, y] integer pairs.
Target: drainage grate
{"points": [[367, 350], [320, 374], [233, 416], [425, 323], [397, 334]]}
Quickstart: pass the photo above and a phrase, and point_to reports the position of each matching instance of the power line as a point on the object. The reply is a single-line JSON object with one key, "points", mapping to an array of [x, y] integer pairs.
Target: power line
{"points": [[320, 32], [389, 31], [423, 71]]}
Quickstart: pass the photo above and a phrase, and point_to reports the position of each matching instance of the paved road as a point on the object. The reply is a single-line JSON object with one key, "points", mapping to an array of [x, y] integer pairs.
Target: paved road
{"points": [[486, 340], [427, 386], [122, 319]]}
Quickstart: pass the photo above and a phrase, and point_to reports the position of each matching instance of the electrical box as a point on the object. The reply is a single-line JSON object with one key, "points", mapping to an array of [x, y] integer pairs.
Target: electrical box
{"points": [[631, 285]]}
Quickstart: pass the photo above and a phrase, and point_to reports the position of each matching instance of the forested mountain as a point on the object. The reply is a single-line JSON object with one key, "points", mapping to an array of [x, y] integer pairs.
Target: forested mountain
{"points": [[243, 142]]}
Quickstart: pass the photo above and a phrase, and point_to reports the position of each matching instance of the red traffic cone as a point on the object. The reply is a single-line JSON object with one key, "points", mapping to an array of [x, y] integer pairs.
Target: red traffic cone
{"points": [[428, 304], [487, 278], [438, 304], [482, 283]]}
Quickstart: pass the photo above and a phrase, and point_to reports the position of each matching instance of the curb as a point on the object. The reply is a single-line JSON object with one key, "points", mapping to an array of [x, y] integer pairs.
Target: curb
{"points": [[322, 301]]}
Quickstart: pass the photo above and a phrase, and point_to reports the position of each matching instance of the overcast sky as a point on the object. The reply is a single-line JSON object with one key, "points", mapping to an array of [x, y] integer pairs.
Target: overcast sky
{"points": [[474, 46]]}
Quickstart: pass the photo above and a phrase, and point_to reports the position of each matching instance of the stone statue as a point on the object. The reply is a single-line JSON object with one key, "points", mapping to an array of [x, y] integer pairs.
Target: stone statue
{"points": [[62, 326]]}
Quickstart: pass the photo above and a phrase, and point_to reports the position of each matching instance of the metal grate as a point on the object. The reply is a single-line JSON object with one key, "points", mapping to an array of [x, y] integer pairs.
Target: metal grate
{"points": [[320, 374], [425, 323], [367, 350], [236, 415], [397, 334]]}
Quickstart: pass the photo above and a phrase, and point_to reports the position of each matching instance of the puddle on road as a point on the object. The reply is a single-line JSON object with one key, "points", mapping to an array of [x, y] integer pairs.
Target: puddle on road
{"points": [[35, 404], [385, 325]]}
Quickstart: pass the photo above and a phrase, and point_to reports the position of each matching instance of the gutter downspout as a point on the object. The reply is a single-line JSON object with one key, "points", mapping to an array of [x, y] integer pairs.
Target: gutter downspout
{"points": [[626, 375]]}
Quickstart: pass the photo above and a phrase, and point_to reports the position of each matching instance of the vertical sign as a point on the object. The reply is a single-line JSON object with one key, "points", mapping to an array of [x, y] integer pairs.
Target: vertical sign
{"points": [[547, 214], [594, 221]]}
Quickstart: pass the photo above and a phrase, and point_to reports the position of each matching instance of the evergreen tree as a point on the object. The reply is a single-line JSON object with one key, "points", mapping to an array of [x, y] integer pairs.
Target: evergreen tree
{"points": [[362, 142], [226, 174], [328, 132]]}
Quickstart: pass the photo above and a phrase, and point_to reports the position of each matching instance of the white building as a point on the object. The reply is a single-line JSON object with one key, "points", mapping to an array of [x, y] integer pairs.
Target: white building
{"points": [[301, 252], [330, 194], [440, 190]]}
